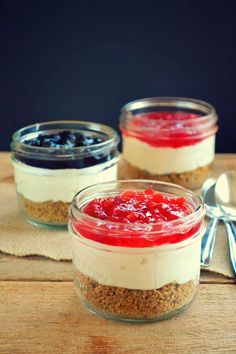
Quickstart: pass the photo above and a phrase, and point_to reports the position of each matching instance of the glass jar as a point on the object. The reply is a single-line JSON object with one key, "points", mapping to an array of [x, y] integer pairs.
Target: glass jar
{"points": [[47, 177], [152, 278], [169, 139]]}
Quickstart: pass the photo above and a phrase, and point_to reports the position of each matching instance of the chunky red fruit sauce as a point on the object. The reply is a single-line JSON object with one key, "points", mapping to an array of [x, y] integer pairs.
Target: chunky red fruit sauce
{"points": [[136, 207], [166, 129]]}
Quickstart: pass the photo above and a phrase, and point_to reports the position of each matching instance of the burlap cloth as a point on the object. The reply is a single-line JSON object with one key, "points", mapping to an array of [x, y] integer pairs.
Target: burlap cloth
{"points": [[19, 238]]}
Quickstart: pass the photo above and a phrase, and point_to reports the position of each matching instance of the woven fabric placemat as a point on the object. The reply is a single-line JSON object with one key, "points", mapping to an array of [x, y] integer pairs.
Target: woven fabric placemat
{"points": [[19, 238]]}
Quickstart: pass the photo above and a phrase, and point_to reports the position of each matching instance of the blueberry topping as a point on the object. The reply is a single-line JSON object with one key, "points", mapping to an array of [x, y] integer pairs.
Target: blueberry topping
{"points": [[64, 139]]}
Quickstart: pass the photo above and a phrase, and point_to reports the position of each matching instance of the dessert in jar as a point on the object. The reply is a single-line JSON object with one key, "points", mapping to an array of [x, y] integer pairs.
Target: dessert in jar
{"points": [[169, 139], [54, 160], [136, 248]]}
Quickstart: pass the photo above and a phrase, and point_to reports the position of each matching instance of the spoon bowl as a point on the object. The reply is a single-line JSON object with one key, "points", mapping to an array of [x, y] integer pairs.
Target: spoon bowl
{"points": [[225, 192], [208, 195]]}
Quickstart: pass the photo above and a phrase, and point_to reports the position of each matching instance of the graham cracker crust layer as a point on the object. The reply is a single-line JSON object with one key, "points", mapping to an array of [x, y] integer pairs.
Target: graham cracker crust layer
{"points": [[48, 212], [135, 304]]}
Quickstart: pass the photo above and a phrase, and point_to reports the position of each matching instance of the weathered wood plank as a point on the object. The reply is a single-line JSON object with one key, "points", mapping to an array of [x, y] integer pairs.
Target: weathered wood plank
{"points": [[48, 318], [34, 268]]}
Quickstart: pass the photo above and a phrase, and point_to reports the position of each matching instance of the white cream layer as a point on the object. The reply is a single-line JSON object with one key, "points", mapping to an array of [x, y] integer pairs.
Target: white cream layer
{"points": [[166, 160], [41, 184], [136, 268]]}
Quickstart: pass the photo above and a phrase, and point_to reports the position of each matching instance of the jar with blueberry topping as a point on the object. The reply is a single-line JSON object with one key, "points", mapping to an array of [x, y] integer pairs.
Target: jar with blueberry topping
{"points": [[54, 160]]}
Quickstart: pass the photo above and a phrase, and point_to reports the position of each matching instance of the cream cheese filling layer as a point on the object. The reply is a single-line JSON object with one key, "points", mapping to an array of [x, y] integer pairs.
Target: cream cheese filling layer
{"points": [[142, 269], [40, 184], [167, 160]]}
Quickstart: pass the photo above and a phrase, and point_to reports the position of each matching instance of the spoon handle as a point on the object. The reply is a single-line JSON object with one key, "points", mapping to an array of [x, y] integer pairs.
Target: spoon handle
{"points": [[208, 242], [231, 233]]}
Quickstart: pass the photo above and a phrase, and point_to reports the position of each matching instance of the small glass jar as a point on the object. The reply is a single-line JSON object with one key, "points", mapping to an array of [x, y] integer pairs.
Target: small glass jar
{"points": [[169, 139], [47, 178], [136, 282]]}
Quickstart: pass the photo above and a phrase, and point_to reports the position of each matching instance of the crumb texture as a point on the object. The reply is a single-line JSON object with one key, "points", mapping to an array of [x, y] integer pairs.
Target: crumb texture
{"points": [[191, 179], [135, 304], [49, 212]]}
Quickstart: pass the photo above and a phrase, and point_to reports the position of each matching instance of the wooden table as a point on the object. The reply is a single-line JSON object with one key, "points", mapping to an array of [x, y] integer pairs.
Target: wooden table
{"points": [[40, 312]]}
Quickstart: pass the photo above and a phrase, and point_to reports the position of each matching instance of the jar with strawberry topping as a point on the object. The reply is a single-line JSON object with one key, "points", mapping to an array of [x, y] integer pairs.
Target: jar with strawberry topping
{"points": [[169, 139], [136, 248]]}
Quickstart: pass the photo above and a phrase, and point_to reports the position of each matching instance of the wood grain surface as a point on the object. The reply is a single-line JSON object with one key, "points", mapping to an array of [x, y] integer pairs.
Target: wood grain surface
{"points": [[42, 317], [40, 311]]}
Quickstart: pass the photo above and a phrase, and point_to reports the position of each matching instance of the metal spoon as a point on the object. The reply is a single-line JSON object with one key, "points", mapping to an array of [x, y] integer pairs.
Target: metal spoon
{"points": [[225, 192], [214, 213]]}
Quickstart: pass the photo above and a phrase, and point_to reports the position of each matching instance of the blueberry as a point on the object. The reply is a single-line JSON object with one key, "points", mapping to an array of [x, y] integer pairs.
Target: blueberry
{"points": [[56, 138], [98, 140], [79, 139], [64, 139], [46, 143], [88, 141], [54, 145], [71, 137]]}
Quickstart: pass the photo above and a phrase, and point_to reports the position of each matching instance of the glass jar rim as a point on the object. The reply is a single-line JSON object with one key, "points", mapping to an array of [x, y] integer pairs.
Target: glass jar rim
{"points": [[175, 102], [76, 213], [39, 152], [201, 126], [140, 250]]}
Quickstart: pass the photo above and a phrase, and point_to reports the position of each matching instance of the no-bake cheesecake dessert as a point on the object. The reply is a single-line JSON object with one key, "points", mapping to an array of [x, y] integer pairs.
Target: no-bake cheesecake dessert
{"points": [[53, 161], [169, 139], [136, 248]]}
